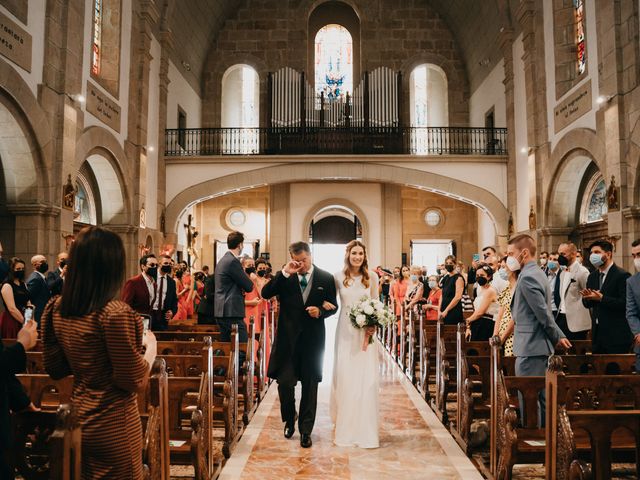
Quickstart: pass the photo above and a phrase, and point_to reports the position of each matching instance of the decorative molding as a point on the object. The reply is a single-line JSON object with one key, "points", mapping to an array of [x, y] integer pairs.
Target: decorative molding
{"points": [[34, 209]]}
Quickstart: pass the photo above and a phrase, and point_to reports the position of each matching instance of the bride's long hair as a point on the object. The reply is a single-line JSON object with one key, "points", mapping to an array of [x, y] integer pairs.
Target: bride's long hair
{"points": [[364, 268]]}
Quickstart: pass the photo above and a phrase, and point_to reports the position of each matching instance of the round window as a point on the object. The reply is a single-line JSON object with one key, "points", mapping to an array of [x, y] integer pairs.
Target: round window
{"points": [[237, 218], [433, 218]]}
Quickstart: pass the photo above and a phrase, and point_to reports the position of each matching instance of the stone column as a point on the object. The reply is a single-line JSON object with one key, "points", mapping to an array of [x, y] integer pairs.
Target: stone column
{"points": [[37, 231], [166, 42], [391, 233], [129, 235], [278, 239]]}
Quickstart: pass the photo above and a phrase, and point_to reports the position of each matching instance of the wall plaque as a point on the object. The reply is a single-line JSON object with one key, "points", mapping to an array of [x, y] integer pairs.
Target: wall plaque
{"points": [[15, 43], [102, 107], [573, 107]]}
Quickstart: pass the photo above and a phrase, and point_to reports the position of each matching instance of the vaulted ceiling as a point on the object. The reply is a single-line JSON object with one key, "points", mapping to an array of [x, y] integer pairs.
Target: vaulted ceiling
{"points": [[474, 23]]}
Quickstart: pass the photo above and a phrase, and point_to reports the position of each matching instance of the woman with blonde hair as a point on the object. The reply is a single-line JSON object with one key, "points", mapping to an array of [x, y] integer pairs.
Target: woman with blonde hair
{"points": [[354, 390]]}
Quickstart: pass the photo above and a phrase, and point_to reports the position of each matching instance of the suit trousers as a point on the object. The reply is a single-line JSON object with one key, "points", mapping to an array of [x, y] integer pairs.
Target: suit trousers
{"points": [[158, 322], [287, 380], [532, 367], [226, 325], [561, 321]]}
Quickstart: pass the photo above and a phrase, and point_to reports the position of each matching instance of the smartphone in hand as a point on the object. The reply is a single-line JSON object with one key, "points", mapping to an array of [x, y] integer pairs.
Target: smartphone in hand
{"points": [[28, 314], [476, 257], [146, 320]]}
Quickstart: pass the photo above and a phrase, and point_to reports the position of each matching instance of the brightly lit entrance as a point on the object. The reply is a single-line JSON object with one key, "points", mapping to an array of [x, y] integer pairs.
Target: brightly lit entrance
{"points": [[430, 253]]}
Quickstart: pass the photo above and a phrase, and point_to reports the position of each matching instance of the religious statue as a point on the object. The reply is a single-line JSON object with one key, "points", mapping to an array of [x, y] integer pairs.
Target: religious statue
{"points": [[613, 202], [162, 221], [69, 194], [511, 228], [143, 217], [532, 219]]}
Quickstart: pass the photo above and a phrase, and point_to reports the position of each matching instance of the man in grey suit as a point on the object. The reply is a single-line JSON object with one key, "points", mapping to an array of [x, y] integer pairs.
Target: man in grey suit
{"points": [[536, 332], [633, 301], [231, 282]]}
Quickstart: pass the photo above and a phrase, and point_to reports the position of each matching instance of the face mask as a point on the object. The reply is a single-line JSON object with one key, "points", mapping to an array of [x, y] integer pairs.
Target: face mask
{"points": [[596, 260], [563, 261], [165, 269], [43, 267], [396, 275], [482, 281], [414, 278], [449, 268], [504, 275], [18, 274], [636, 263], [63, 263], [432, 284], [152, 272], [552, 265], [543, 261], [262, 273], [250, 270], [579, 260], [513, 264]]}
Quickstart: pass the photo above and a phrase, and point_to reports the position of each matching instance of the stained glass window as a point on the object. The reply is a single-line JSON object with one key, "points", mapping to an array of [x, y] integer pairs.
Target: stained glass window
{"points": [[596, 202], [333, 62], [578, 7], [96, 44]]}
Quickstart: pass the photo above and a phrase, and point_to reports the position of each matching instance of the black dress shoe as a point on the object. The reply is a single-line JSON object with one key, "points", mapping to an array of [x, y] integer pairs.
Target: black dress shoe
{"points": [[290, 427], [305, 440]]}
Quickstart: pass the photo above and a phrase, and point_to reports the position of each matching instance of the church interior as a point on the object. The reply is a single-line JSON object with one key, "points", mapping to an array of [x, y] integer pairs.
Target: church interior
{"points": [[422, 128]]}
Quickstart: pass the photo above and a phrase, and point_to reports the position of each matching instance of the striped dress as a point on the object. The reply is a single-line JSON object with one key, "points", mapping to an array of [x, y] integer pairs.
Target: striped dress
{"points": [[103, 350]]}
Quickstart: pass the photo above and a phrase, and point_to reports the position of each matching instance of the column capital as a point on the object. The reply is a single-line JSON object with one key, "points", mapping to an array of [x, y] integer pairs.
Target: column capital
{"points": [[36, 209]]}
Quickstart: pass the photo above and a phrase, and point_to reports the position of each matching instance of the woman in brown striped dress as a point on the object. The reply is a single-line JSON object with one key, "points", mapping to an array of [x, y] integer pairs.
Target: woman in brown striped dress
{"points": [[99, 340]]}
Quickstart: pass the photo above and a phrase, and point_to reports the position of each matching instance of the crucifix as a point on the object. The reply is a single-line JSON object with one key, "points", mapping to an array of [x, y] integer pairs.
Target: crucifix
{"points": [[192, 233]]}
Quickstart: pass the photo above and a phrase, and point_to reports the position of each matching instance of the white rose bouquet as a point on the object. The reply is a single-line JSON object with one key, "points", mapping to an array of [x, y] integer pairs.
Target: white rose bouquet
{"points": [[367, 314]]}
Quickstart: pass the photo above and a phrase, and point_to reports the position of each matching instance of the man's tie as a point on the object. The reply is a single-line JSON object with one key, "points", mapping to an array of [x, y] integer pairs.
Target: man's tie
{"points": [[601, 281], [303, 282], [160, 293]]}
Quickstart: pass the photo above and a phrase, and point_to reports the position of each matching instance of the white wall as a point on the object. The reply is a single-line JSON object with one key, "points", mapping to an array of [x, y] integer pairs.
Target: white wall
{"points": [[125, 66], [486, 230], [490, 93], [367, 196], [35, 27], [151, 200], [521, 142], [181, 93], [588, 120]]}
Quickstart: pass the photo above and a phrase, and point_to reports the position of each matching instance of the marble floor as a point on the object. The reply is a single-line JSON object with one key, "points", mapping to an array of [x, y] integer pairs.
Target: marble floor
{"points": [[414, 444]]}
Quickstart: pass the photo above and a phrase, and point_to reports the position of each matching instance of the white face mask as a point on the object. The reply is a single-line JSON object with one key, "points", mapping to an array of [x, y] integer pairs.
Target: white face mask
{"points": [[543, 261], [513, 264], [636, 263]]}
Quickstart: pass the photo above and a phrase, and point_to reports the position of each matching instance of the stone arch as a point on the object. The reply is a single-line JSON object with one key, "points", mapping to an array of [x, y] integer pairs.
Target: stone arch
{"points": [[572, 156], [313, 211], [107, 160], [362, 172]]}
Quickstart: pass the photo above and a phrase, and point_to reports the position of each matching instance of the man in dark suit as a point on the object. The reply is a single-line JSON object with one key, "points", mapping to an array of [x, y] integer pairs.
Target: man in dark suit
{"points": [[633, 301], [164, 303], [231, 282], [37, 285], [4, 267], [307, 296], [55, 278], [553, 275], [139, 290], [606, 294], [205, 308]]}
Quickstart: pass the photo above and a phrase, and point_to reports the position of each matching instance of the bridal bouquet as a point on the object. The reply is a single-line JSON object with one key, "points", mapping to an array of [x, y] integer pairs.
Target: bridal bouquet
{"points": [[370, 312]]}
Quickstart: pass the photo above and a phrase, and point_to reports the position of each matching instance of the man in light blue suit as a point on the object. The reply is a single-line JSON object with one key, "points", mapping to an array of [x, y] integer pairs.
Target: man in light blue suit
{"points": [[633, 301], [536, 333]]}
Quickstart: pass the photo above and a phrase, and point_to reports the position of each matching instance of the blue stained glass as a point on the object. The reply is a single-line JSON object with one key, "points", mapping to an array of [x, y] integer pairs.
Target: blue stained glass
{"points": [[333, 62], [597, 205]]}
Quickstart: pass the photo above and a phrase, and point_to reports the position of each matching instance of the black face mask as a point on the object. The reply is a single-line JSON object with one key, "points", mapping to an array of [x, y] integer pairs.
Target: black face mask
{"points": [[18, 274], [153, 272], [250, 270], [43, 267], [165, 269], [63, 263], [482, 281], [449, 268], [262, 273], [563, 261]]}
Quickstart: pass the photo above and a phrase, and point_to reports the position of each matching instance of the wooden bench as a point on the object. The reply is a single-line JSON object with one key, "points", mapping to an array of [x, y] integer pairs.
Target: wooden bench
{"points": [[595, 413], [184, 336], [185, 327], [445, 358]]}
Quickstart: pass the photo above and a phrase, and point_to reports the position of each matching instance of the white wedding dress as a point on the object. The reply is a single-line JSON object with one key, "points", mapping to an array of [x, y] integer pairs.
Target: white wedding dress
{"points": [[354, 390]]}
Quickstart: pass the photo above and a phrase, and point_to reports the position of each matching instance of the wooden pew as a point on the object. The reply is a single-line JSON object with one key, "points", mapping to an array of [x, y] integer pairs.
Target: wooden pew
{"points": [[593, 412], [445, 359], [184, 336], [184, 327], [153, 403]]}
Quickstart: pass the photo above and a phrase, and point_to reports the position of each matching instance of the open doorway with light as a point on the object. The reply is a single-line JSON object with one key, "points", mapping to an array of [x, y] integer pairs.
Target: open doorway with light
{"points": [[430, 253]]}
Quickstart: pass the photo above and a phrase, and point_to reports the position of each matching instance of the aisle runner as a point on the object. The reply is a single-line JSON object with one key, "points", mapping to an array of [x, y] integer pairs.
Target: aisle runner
{"points": [[414, 445]]}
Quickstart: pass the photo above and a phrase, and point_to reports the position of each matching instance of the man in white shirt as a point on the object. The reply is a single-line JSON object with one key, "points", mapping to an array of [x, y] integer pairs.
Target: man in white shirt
{"points": [[573, 318]]}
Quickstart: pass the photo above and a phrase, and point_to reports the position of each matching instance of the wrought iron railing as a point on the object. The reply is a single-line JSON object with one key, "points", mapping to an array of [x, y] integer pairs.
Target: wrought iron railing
{"points": [[309, 141]]}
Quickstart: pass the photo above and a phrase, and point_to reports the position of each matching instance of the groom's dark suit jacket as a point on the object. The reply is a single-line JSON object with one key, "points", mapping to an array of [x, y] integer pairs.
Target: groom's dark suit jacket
{"points": [[299, 337]]}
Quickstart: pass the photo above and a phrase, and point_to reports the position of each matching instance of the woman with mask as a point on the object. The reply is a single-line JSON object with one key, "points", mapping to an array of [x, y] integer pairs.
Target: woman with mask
{"points": [[504, 324], [434, 299], [480, 323], [415, 289], [187, 283], [399, 289], [183, 293], [452, 285], [15, 297]]}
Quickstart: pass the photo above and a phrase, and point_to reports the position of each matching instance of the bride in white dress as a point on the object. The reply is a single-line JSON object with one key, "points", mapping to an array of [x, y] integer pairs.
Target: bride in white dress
{"points": [[354, 390]]}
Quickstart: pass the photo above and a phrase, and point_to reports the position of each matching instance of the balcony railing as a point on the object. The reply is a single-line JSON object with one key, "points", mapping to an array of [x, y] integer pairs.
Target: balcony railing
{"points": [[318, 141]]}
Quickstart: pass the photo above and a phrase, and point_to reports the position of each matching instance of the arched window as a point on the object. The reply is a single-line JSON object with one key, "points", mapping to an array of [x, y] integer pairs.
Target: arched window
{"points": [[240, 109], [85, 206], [429, 97], [333, 62], [594, 205]]}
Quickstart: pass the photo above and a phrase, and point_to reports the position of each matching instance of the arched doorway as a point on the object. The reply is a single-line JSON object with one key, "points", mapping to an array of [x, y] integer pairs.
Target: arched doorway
{"points": [[330, 229]]}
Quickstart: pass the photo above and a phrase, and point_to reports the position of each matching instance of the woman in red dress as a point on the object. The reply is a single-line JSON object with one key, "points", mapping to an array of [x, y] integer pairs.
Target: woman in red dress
{"points": [[15, 298]]}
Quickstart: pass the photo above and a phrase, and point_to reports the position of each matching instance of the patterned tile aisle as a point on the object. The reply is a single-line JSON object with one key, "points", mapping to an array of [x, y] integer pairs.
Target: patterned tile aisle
{"points": [[414, 445]]}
